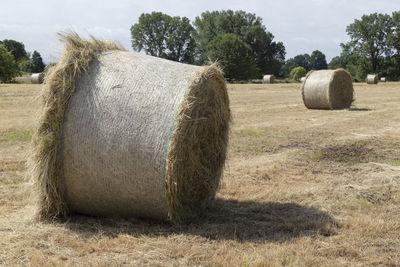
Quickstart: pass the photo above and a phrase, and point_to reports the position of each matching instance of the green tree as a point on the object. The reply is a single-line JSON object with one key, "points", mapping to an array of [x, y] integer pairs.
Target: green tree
{"points": [[234, 56], [180, 42], [37, 62], [394, 38], [25, 65], [336, 63], [164, 36], [392, 65], [369, 37], [17, 49], [303, 61], [268, 55], [8, 67], [318, 60], [297, 73]]}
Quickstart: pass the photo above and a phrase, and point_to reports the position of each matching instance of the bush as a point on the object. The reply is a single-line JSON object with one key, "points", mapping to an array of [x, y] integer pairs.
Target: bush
{"points": [[297, 73]]}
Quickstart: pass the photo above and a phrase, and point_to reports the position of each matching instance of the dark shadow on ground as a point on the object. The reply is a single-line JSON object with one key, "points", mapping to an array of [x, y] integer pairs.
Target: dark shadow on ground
{"points": [[226, 220], [359, 109]]}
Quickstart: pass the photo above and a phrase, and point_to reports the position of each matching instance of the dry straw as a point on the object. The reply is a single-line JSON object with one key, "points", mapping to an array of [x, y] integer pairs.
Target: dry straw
{"points": [[37, 78], [327, 89], [128, 134], [268, 79], [372, 79]]}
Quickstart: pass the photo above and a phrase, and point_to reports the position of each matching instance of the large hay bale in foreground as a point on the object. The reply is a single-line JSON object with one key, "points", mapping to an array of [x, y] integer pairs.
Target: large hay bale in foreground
{"points": [[268, 79], [327, 89], [137, 136], [372, 79], [37, 78]]}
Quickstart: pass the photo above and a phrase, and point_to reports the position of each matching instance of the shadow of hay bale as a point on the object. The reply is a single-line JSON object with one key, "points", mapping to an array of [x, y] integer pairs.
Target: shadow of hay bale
{"points": [[226, 220], [359, 109]]}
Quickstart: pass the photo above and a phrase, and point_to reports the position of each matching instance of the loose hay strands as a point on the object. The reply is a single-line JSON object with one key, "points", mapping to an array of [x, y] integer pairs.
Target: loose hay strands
{"points": [[372, 79], [327, 89], [269, 79], [44, 165]]}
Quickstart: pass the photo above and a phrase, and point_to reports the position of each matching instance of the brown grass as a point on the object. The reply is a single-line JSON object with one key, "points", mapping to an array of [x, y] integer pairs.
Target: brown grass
{"points": [[301, 187]]}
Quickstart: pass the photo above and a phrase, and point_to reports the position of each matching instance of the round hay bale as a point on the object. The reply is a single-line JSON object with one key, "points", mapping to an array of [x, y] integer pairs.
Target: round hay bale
{"points": [[383, 79], [268, 79], [37, 78], [302, 79], [327, 89], [126, 134], [372, 79]]}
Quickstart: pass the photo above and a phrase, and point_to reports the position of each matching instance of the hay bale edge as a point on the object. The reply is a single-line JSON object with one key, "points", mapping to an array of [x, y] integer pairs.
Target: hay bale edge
{"points": [[44, 161]]}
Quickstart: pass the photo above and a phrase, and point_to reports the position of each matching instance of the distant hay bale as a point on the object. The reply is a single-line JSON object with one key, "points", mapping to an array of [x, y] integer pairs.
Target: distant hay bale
{"points": [[327, 89], [383, 79], [37, 78], [302, 79], [268, 79], [372, 79], [128, 134]]}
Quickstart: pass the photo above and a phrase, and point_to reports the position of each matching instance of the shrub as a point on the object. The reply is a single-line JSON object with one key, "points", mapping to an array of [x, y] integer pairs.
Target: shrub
{"points": [[297, 73]]}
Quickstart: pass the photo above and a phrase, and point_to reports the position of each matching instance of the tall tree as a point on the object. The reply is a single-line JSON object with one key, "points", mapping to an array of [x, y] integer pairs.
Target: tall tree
{"points": [[369, 38], [16, 48], [395, 34], [37, 62], [318, 60], [8, 67], [336, 63], [180, 42], [234, 56], [164, 36], [269, 55]]}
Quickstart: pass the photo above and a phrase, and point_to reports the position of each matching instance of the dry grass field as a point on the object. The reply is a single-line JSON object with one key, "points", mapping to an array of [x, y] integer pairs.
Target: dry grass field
{"points": [[301, 188]]}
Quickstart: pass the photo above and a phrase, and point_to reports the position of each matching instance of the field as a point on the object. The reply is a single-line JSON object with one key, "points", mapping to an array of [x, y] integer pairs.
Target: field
{"points": [[301, 187]]}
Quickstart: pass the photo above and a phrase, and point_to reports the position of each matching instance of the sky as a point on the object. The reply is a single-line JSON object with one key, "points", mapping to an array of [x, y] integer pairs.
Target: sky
{"points": [[303, 25]]}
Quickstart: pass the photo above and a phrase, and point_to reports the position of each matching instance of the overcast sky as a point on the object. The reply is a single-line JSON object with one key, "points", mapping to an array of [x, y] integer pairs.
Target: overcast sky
{"points": [[303, 25]]}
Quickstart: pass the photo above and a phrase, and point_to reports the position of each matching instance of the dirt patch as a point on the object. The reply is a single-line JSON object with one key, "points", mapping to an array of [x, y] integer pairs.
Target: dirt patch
{"points": [[360, 151]]}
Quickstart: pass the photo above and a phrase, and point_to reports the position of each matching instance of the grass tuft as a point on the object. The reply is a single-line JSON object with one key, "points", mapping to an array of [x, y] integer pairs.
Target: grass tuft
{"points": [[16, 136]]}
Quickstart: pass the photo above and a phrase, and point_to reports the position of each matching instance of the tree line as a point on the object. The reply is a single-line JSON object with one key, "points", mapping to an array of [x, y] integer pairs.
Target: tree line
{"points": [[242, 45], [237, 40], [14, 60], [245, 49]]}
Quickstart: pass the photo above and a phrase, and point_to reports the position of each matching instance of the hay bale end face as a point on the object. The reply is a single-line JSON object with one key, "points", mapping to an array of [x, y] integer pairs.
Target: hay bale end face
{"points": [[137, 136], [37, 78], [327, 89], [383, 79], [372, 79], [268, 79]]}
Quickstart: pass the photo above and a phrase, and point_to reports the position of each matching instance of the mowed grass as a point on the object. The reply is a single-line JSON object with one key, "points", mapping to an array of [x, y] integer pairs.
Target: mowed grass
{"points": [[300, 188], [16, 136]]}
